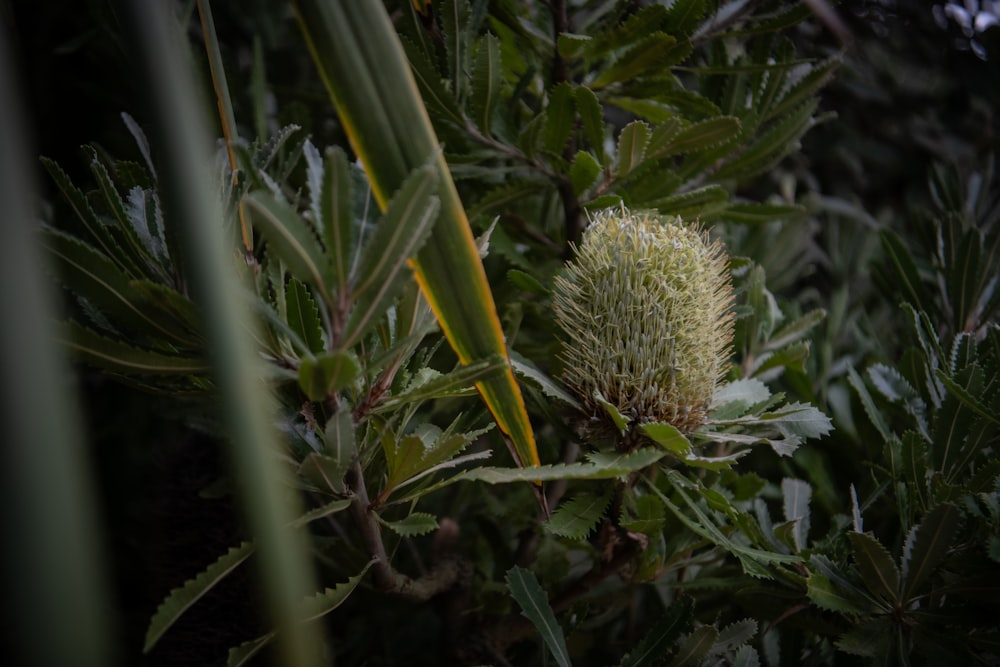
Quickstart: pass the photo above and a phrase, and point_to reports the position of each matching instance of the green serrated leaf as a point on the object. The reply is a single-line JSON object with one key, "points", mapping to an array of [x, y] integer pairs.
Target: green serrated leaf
{"points": [[559, 115], [790, 357], [796, 330], [695, 646], [831, 589], [807, 86], [799, 419], [890, 383], [648, 109], [756, 214], [240, 655], [327, 471], [746, 656], [111, 355], [753, 560], [415, 455], [964, 281], [869, 405], [91, 275], [326, 374], [583, 172], [322, 511], [660, 638], [648, 516], [454, 15], [604, 201], [313, 607], [404, 228], [266, 152], [906, 274], [525, 368], [620, 421], [771, 146], [570, 45], [869, 640], [600, 466], [418, 523], [291, 239], [734, 635], [527, 282], [651, 56], [913, 461], [576, 518], [685, 102], [668, 437], [486, 80], [592, 119], [324, 473], [632, 142], [651, 181], [139, 256], [734, 398], [926, 546], [439, 99], [701, 202], [966, 398], [316, 181], [145, 216], [336, 211], [684, 16], [796, 495], [321, 604], [180, 599], [457, 382], [529, 138], [825, 595], [303, 315], [878, 571], [701, 136], [176, 308], [503, 197], [98, 231], [534, 603]]}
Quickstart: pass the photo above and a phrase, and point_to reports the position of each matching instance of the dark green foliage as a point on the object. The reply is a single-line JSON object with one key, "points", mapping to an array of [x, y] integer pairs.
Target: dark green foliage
{"points": [[773, 534]]}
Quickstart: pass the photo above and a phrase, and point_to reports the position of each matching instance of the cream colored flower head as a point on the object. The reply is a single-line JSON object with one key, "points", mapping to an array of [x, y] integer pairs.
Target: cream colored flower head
{"points": [[646, 307]]}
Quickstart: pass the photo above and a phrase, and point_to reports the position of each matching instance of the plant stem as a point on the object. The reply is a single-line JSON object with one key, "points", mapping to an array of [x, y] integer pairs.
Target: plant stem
{"points": [[371, 534], [445, 574]]}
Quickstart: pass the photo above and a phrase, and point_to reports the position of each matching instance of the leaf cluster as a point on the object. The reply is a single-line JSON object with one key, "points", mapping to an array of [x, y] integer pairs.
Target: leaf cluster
{"points": [[872, 540]]}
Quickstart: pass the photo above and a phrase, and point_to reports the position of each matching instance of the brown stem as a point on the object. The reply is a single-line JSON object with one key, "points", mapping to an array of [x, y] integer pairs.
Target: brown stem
{"points": [[560, 24], [446, 574], [371, 534], [572, 213]]}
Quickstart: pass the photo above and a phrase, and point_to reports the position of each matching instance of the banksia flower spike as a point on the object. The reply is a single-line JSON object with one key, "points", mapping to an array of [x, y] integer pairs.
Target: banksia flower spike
{"points": [[646, 307]]}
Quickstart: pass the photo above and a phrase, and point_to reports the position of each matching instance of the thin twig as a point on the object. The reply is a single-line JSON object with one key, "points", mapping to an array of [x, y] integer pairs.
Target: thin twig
{"points": [[371, 534], [226, 116], [446, 574]]}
